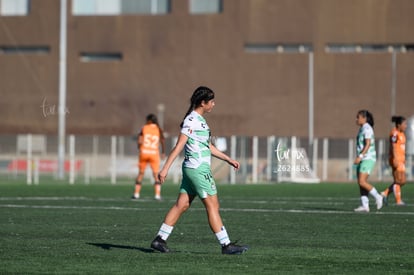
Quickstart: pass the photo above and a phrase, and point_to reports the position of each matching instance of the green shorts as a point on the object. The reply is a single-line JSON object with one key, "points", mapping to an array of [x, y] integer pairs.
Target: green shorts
{"points": [[198, 182], [365, 166]]}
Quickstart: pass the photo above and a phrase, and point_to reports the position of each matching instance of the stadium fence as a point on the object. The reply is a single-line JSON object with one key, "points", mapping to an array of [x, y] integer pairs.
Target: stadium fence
{"points": [[263, 159]]}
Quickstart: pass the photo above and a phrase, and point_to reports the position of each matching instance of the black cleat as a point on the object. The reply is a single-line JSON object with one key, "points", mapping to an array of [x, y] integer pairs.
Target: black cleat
{"points": [[160, 245], [233, 248]]}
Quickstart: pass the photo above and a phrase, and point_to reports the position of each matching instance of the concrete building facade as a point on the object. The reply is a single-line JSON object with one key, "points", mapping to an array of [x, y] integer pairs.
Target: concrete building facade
{"points": [[254, 54]]}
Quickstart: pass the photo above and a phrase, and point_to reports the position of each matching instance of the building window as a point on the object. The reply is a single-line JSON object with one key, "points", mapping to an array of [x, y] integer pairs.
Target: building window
{"points": [[206, 7], [96, 7], [277, 48], [100, 57], [368, 48], [24, 49], [117, 7], [145, 6], [14, 7]]}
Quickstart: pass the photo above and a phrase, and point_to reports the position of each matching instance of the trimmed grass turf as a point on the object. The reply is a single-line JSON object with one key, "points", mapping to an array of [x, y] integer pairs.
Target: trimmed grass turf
{"points": [[56, 228]]}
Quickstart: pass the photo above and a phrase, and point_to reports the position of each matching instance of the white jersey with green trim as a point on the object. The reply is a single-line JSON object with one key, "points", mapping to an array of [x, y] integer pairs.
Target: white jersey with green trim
{"points": [[197, 148], [366, 132]]}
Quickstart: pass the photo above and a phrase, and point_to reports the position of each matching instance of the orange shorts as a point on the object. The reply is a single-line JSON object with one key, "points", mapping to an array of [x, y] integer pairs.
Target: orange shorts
{"points": [[400, 165], [152, 160]]}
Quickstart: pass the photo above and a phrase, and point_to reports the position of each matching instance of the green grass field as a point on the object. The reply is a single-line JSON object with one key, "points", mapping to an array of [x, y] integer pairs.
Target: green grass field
{"points": [[57, 228]]}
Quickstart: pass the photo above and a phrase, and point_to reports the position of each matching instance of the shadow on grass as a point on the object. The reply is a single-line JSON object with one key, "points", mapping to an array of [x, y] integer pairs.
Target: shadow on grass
{"points": [[108, 246]]}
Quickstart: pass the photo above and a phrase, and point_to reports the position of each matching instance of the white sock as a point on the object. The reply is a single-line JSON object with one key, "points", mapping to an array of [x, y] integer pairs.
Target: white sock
{"points": [[374, 193], [223, 237], [165, 231], [365, 201]]}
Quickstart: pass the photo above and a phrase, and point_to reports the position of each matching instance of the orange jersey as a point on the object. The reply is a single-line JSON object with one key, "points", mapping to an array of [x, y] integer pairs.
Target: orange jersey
{"points": [[149, 139], [397, 145]]}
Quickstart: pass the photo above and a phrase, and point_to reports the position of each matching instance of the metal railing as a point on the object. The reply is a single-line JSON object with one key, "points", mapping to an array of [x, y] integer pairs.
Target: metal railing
{"points": [[263, 159]]}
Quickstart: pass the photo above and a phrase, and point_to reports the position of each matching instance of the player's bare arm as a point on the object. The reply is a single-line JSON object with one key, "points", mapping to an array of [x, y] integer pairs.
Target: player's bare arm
{"points": [[179, 146], [140, 139], [220, 155], [364, 151]]}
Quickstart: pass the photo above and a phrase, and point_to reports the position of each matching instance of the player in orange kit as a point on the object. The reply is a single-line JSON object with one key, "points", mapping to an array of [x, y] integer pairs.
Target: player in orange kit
{"points": [[149, 140], [397, 159]]}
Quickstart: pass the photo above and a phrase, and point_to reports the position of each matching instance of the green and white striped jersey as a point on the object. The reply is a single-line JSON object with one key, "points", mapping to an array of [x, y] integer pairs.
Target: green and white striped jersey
{"points": [[366, 132], [197, 148]]}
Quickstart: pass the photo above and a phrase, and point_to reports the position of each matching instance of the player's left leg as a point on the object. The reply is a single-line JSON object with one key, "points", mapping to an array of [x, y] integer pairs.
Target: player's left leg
{"points": [[365, 169], [212, 206], [400, 181], [155, 166], [364, 207], [390, 188]]}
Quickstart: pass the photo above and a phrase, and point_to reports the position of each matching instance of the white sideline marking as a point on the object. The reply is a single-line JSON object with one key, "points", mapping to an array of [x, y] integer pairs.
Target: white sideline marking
{"points": [[52, 199], [201, 209], [314, 211], [75, 207], [222, 198], [279, 200]]}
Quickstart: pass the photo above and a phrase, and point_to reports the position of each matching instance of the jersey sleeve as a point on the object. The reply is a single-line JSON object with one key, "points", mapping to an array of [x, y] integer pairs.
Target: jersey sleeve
{"points": [[190, 125], [394, 137], [368, 133], [187, 128]]}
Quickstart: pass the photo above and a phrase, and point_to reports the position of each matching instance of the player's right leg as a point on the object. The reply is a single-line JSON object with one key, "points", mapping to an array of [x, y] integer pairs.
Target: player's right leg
{"points": [[137, 189], [138, 181], [183, 202]]}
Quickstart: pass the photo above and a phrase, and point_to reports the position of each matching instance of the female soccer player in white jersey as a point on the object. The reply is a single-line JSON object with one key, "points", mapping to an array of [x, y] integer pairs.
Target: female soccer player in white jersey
{"points": [[195, 139], [365, 160]]}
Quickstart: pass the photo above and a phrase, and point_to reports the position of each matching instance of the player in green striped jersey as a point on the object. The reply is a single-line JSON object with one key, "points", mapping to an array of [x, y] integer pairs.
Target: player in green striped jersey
{"points": [[365, 160], [195, 140]]}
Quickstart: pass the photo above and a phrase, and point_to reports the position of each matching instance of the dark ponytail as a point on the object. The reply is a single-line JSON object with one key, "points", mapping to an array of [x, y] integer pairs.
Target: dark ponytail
{"points": [[368, 116], [398, 120], [153, 118], [200, 95]]}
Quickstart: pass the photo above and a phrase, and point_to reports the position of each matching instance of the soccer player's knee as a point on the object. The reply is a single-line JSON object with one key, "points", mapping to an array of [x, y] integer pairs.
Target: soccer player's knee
{"points": [[183, 206], [400, 182]]}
